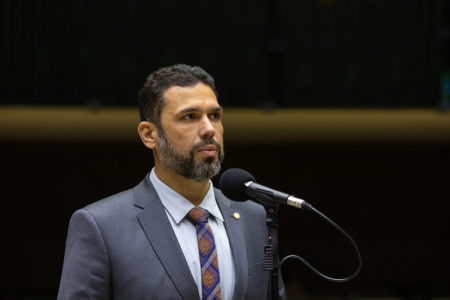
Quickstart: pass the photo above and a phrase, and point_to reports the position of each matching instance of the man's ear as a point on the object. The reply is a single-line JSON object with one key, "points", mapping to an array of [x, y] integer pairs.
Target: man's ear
{"points": [[148, 133]]}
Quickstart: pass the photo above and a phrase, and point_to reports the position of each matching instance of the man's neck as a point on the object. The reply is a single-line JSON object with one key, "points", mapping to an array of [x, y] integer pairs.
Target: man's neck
{"points": [[192, 190]]}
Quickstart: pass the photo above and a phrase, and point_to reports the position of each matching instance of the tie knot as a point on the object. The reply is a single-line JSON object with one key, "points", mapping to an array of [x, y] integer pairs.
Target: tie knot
{"points": [[198, 215]]}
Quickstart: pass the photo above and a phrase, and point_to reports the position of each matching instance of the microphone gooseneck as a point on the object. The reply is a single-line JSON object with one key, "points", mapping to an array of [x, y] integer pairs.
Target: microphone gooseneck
{"points": [[240, 185]]}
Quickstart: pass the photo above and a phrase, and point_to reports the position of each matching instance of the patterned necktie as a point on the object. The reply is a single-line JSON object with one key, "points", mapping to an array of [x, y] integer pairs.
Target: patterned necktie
{"points": [[208, 254]]}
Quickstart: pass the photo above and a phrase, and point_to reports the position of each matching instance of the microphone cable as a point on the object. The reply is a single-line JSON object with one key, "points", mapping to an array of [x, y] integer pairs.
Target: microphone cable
{"points": [[301, 259]]}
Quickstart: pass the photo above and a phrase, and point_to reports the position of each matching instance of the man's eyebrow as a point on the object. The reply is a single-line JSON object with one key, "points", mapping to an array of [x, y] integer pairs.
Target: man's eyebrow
{"points": [[194, 109]]}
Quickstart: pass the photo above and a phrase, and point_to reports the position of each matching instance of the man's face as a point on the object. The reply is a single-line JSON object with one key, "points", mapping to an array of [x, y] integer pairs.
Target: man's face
{"points": [[190, 140]]}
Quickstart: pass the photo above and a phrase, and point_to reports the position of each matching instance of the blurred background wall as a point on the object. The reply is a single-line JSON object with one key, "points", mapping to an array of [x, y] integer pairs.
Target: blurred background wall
{"points": [[343, 103]]}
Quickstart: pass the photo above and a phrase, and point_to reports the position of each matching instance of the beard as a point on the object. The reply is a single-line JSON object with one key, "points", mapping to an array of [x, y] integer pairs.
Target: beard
{"points": [[186, 166]]}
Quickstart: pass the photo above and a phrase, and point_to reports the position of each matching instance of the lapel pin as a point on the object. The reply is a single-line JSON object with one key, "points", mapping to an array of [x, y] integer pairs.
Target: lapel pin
{"points": [[236, 215]]}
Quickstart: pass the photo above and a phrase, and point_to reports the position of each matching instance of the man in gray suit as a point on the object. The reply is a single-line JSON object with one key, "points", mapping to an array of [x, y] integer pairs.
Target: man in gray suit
{"points": [[141, 243]]}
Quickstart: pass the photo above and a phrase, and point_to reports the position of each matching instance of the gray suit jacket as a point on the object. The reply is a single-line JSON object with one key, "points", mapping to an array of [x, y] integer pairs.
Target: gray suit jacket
{"points": [[123, 247]]}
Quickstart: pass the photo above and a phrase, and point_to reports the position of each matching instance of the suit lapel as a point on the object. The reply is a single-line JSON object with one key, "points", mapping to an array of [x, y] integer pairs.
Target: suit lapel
{"points": [[159, 232], [236, 238]]}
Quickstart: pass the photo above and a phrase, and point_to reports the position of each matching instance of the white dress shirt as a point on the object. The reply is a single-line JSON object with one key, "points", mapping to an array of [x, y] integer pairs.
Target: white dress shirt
{"points": [[177, 207]]}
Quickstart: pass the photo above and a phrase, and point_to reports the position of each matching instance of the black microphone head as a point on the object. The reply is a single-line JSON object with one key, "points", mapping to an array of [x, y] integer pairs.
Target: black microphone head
{"points": [[232, 181]]}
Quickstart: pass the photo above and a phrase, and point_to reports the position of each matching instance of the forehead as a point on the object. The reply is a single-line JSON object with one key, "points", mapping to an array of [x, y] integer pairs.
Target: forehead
{"points": [[180, 97]]}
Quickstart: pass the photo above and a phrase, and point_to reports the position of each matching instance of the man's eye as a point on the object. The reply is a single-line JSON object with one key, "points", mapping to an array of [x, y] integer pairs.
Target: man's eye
{"points": [[215, 116], [188, 116]]}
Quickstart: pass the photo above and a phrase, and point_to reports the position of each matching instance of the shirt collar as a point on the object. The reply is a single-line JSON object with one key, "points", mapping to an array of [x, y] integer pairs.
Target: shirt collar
{"points": [[177, 206]]}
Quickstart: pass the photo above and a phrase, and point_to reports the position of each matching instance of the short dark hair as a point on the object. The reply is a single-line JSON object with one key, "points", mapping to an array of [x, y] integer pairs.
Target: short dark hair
{"points": [[151, 95]]}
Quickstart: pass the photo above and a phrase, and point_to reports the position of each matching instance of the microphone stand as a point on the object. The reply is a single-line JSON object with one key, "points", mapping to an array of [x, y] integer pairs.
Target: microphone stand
{"points": [[271, 257]]}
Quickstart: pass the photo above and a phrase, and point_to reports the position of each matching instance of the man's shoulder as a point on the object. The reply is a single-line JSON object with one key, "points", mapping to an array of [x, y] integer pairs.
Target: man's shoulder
{"points": [[117, 204], [113, 202], [107, 210]]}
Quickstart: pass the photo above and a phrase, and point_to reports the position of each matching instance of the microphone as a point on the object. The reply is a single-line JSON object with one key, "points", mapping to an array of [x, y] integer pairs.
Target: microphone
{"points": [[239, 185]]}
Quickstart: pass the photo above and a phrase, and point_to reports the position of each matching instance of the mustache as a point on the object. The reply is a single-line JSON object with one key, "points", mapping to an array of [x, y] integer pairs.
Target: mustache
{"points": [[208, 141]]}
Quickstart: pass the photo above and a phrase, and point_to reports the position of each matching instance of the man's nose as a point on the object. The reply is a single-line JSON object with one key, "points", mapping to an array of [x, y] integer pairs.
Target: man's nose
{"points": [[206, 130]]}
